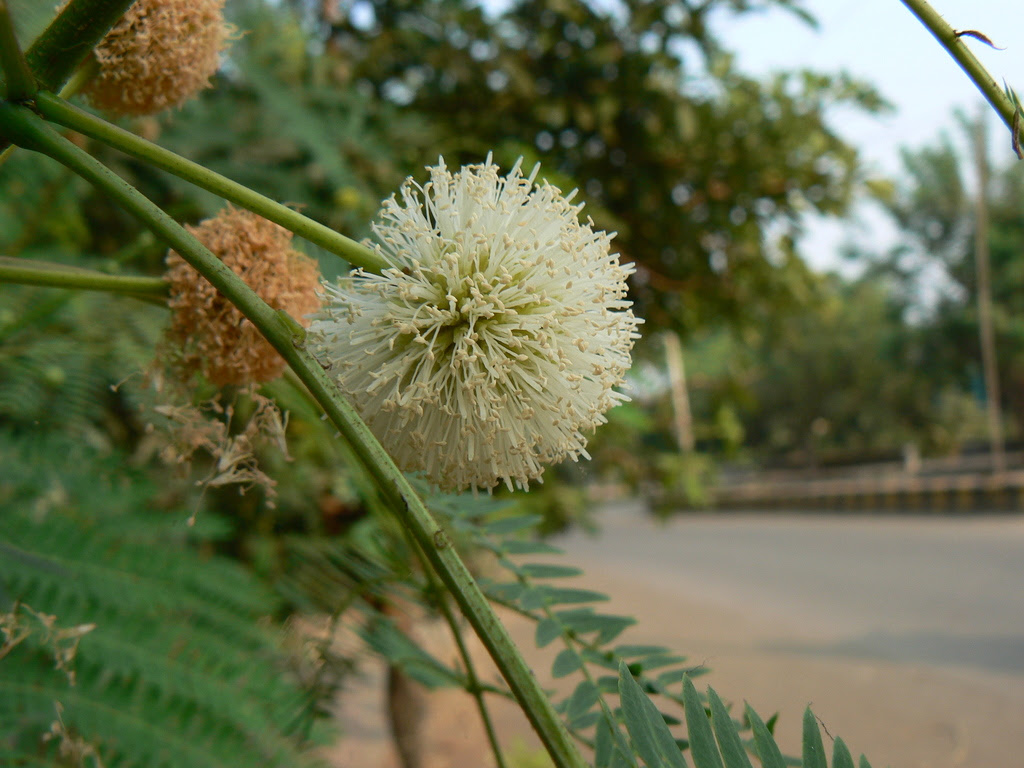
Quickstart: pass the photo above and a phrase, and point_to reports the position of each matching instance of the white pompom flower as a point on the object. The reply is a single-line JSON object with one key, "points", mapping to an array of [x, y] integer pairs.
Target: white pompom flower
{"points": [[493, 342]]}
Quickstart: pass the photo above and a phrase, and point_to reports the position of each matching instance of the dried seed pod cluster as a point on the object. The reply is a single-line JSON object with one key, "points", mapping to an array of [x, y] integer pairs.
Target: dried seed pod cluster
{"points": [[208, 333], [158, 55]]}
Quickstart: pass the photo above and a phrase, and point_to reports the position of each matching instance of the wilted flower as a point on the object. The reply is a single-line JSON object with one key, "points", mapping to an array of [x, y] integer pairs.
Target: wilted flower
{"points": [[494, 340], [159, 54], [208, 333]]}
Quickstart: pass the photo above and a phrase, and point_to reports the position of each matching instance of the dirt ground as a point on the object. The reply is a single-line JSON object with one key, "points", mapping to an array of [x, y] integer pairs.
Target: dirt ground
{"points": [[899, 715]]}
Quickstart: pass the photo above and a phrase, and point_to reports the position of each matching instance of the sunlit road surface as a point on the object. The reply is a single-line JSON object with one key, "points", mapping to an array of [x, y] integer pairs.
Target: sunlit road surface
{"points": [[906, 634], [943, 590], [907, 630]]}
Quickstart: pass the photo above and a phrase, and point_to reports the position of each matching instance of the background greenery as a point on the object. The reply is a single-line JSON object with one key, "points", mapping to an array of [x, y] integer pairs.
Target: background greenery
{"points": [[704, 172]]}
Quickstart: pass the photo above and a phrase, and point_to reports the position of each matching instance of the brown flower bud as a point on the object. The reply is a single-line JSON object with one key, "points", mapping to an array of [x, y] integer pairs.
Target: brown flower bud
{"points": [[208, 334], [158, 55]]}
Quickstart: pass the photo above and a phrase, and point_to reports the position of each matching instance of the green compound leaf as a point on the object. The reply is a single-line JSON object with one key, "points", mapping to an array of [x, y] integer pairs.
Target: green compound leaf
{"points": [[585, 721], [611, 750], [604, 659], [583, 621], [714, 742], [651, 738], [526, 547], [727, 733], [702, 742], [542, 595], [608, 684], [384, 637], [841, 757], [547, 630], [813, 749], [506, 592], [512, 524], [582, 701], [767, 749], [566, 662], [547, 571]]}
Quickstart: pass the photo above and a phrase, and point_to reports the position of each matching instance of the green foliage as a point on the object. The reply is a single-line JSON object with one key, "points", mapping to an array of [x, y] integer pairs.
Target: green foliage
{"points": [[566, 614], [179, 669], [296, 129], [713, 735], [798, 385], [61, 353], [651, 738], [59, 362], [690, 161], [329, 115], [935, 210]]}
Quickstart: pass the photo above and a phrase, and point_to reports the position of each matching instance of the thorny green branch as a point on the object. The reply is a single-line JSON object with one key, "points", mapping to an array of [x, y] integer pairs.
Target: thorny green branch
{"points": [[953, 43], [26, 129]]}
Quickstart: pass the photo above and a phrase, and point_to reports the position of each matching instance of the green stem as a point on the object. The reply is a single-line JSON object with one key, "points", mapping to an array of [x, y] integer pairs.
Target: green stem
{"points": [[284, 334], [81, 77], [59, 111], [52, 275], [78, 81], [475, 689], [567, 641], [473, 685], [963, 56], [21, 85], [63, 45]]}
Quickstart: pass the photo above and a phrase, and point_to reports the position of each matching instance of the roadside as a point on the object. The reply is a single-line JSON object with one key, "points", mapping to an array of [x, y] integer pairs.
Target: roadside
{"points": [[923, 706]]}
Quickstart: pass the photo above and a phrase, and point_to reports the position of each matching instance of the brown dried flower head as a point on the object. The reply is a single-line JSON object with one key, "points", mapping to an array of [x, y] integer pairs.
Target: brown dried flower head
{"points": [[158, 55], [208, 333]]}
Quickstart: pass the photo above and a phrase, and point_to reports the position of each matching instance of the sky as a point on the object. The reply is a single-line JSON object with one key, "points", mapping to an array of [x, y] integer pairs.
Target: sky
{"points": [[881, 42]]}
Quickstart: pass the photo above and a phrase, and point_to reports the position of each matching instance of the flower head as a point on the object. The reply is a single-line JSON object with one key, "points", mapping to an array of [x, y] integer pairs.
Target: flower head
{"points": [[494, 340], [159, 54], [209, 334]]}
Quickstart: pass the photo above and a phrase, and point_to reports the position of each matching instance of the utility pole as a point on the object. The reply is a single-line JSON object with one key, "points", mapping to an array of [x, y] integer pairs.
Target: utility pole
{"points": [[677, 386], [987, 334]]}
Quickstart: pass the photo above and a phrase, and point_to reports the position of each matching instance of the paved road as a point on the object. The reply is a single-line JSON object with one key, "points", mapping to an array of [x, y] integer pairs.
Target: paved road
{"points": [[947, 591], [906, 634]]}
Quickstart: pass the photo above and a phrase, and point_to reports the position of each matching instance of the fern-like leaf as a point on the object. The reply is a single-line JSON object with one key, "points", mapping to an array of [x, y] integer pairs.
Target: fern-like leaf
{"points": [[180, 669]]}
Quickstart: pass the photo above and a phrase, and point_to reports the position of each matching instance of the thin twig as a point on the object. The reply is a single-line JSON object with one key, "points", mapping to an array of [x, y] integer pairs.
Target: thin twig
{"points": [[952, 41]]}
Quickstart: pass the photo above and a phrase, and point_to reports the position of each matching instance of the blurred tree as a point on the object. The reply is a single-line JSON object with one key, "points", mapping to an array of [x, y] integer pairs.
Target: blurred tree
{"points": [[935, 210], [848, 379], [704, 172]]}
